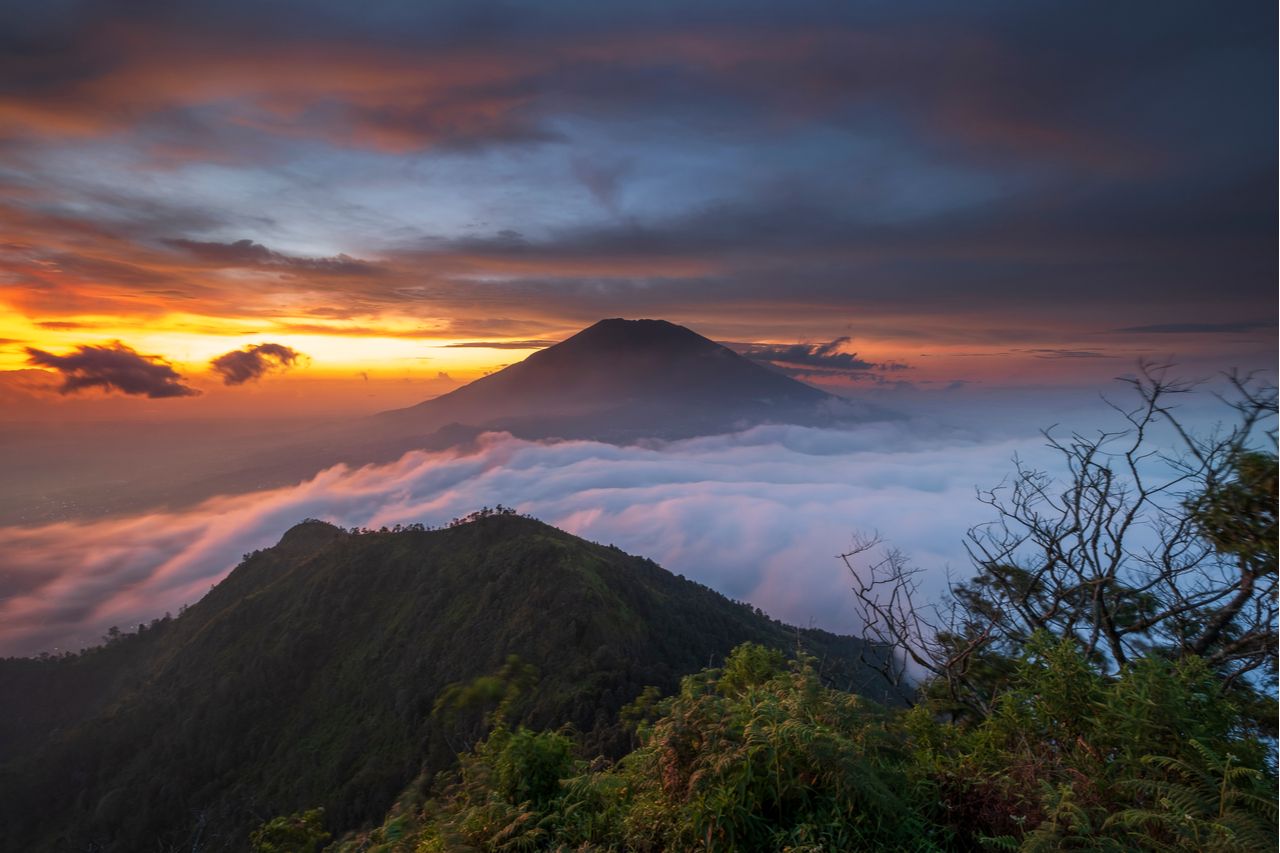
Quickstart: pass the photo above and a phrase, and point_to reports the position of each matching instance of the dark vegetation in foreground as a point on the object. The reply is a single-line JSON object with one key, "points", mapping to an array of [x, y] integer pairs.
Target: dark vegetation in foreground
{"points": [[760, 755]]}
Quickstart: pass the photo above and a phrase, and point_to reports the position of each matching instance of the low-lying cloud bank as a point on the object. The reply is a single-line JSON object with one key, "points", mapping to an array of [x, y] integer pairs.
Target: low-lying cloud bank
{"points": [[759, 515]]}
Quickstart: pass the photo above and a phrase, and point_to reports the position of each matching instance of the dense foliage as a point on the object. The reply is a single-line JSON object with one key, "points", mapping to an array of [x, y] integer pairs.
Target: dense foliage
{"points": [[760, 755], [297, 833]]}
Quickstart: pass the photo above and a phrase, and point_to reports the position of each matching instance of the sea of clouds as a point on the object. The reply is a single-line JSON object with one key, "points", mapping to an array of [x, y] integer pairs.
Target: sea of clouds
{"points": [[760, 515]]}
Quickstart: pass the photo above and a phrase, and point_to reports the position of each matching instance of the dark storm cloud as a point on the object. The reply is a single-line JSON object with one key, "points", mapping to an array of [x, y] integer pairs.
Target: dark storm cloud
{"points": [[113, 368], [253, 362]]}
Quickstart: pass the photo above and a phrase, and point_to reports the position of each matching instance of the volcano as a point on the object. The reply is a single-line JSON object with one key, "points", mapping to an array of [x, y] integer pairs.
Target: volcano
{"points": [[622, 380]]}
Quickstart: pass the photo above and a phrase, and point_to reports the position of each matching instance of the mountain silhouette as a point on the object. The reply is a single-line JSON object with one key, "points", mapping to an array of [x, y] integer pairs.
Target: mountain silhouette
{"points": [[310, 677], [623, 380]]}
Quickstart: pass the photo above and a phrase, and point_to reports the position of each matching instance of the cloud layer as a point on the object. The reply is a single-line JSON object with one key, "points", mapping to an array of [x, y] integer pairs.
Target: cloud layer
{"points": [[759, 515]]}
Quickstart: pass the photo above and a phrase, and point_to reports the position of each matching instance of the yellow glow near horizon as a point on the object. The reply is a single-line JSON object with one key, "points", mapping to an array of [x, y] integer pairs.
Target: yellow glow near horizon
{"points": [[190, 342], [401, 347]]}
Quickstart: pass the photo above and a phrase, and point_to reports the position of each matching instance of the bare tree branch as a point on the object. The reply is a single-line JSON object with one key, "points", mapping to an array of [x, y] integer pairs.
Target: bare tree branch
{"points": [[1158, 539]]}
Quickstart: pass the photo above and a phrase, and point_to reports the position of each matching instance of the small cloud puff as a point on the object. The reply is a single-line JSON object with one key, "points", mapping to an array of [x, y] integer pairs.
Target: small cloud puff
{"points": [[253, 362]]}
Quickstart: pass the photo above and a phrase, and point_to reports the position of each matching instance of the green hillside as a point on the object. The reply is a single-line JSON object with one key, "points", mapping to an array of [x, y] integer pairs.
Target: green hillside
{"points": [[308, 678]]}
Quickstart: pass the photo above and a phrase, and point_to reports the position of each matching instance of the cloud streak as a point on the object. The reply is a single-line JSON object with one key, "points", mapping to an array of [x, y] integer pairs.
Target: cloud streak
{"points": [[826, 356], [1067, 353], [821, 363], [759, 515], [247, 253], [535, 344], [1197, 328], [113, 368]]}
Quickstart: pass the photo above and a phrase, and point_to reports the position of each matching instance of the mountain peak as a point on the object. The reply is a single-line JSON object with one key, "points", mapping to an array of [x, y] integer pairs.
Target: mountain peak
{"points": [[309, 534], [630, 350], [621, 333], [621, 379]]}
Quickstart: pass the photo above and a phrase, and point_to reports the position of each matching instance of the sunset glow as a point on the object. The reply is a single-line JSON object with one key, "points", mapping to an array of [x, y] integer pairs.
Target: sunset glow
{"points": [[371, 205]]}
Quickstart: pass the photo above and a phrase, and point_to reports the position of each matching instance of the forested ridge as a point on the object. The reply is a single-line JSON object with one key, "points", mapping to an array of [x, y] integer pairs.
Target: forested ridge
{"points": [[310, 676]]}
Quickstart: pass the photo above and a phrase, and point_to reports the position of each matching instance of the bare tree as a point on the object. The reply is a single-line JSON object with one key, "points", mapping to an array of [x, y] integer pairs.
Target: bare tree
{"points": [[1140, 549], [925, 638]]}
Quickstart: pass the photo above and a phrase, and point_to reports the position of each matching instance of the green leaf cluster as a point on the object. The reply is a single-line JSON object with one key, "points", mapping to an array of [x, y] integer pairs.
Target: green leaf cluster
{"points": [[296, 833]]}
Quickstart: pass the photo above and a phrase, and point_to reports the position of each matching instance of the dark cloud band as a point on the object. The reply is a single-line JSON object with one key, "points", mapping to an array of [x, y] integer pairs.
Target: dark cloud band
{"points": [[1196, 328]]}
